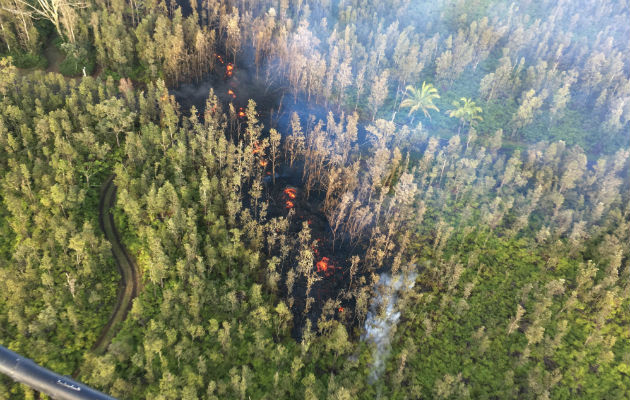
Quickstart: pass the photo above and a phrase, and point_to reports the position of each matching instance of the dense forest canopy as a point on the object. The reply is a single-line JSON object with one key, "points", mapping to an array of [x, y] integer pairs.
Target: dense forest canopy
{"points": [[427, 199]]}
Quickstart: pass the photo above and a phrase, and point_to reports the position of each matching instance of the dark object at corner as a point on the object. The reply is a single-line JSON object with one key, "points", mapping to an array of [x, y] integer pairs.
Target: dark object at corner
{"points": [[24, 370]]}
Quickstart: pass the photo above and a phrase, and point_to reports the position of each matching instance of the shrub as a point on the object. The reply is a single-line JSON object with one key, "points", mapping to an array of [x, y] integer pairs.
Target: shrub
{"points": [[77, 58]]}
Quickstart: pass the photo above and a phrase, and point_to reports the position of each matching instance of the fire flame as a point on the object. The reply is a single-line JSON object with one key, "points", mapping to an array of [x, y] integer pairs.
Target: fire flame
{"points": [[263, 163], [231, 93], [256, 148], [324, 266], [229, 69], [241, 113], [220, 58], [290, 192], [340, 309]]}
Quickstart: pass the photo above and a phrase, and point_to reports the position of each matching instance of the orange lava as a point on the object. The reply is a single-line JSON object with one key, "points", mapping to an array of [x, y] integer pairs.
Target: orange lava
{"points": [[325, 266], [290, 192], [322, 266], [289, 204], [256, 148]]}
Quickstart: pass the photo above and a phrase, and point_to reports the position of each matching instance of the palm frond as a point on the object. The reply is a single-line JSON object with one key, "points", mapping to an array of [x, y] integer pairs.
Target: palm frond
{"points": [[420, 98]]}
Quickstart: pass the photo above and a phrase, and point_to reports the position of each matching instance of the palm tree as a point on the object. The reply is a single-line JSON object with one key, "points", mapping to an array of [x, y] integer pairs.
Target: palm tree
{"points": [[420, 99], [467, 111]]}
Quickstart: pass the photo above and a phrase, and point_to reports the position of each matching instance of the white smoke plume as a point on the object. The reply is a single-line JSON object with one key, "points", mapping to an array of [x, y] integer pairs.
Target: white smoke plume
{"points": [[383, 317]]}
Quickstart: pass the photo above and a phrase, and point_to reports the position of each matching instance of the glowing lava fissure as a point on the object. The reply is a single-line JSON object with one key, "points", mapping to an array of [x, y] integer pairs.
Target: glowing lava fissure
{"points": [[286, 200], [322, 265], [324, 288], [290, 193], [325, 266]]}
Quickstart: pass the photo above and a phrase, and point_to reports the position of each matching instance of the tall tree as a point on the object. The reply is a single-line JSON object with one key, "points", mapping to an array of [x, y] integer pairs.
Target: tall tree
{"points": [[274, 142], [378, 93], [58, 12], [466, 111]]}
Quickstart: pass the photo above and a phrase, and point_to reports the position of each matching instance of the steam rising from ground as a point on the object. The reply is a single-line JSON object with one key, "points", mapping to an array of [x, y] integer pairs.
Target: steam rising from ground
{"points": [[384, 315]]}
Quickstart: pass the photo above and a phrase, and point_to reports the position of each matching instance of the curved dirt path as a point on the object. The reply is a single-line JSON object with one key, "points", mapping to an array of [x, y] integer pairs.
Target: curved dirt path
{"points": [[129, 285]]}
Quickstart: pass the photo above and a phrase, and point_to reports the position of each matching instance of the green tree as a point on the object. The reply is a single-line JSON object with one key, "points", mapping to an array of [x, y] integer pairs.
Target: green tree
{"points": [[421, 99], [113, 116], [466, 111]]}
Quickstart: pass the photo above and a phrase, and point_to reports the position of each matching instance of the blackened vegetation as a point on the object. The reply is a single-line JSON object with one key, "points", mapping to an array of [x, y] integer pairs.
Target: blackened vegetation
{"points": [[323, 291], [338, 217], [232, 84], [325, 199]]}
